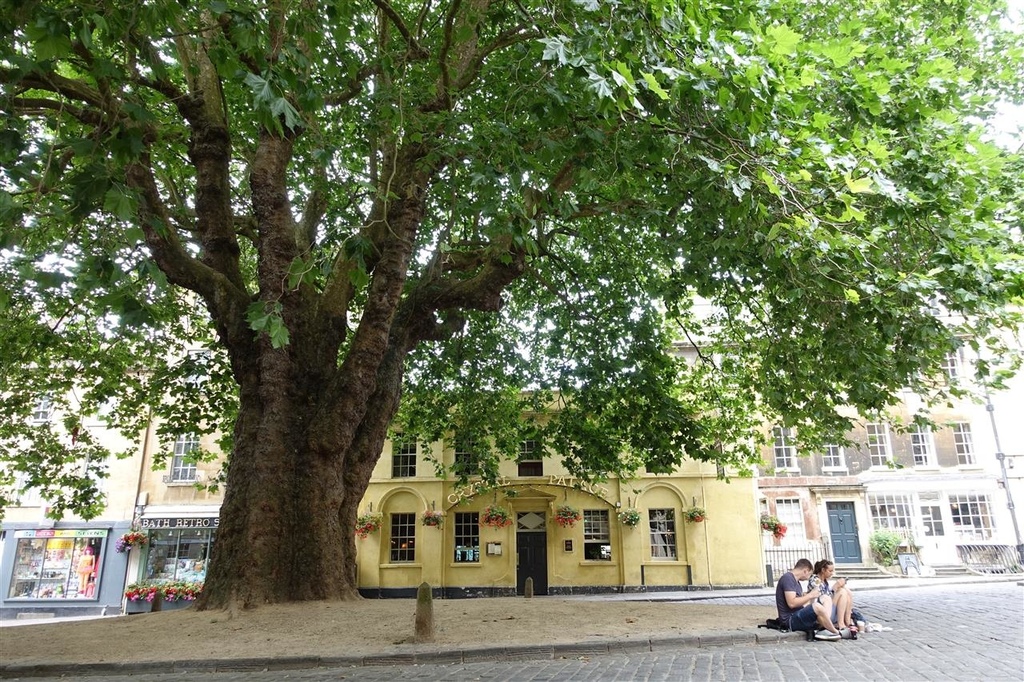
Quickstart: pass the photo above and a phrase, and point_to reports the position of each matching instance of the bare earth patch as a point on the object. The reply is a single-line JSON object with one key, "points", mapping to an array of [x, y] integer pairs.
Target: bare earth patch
{"points": [[362, 628]]}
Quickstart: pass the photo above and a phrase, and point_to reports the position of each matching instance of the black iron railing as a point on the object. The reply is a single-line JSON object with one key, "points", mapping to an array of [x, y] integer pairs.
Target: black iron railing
{"points": [[781, 559]]}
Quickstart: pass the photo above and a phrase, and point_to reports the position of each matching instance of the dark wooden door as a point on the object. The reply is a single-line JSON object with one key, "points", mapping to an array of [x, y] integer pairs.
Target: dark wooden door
{"points": [[532, 561]]}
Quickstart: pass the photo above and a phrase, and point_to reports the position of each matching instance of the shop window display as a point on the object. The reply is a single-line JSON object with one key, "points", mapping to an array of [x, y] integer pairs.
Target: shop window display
{"points": [[63, 564], [178, 554]]}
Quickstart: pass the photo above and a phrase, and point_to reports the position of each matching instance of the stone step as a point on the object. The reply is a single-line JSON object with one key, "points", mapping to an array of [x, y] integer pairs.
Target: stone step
{"points": [[944, 570], [860, 572]]}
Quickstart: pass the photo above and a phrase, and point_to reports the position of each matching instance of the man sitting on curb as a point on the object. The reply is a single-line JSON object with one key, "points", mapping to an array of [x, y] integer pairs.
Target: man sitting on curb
{"points": [[804, 612]]}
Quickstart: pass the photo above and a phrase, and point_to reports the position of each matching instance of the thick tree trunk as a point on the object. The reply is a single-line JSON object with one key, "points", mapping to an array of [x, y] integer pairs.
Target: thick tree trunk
{"points": [[287, 523], [309, 432]]}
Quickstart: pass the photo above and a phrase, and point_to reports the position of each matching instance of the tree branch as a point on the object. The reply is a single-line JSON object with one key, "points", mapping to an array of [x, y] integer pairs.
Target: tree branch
{"points": [[355, 86], [51, 82], [415, 49], [226, 301], [39, 105]]}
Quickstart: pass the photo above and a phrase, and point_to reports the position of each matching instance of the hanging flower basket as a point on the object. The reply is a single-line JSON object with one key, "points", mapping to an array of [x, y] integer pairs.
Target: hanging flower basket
{"points": [[773, 525], [433, 518], [629, 517], [133, 538], [368, 523], [695, 514], [567, 517], [495, 517]]}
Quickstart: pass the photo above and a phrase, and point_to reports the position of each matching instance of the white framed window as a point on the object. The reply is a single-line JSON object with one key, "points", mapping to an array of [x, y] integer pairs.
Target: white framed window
{"points": [[972, 516], [530, 462], [183, 469], [879, 445], [467, 537], [403, 538], [597, 543], [791, 513], [890, 511], [24, 496], [43, 410], [952, 365], [784, 449], [964, 443], [922, 445], [931, 520], [833, 458], [403, 458], [198, 361], [663, 533]]}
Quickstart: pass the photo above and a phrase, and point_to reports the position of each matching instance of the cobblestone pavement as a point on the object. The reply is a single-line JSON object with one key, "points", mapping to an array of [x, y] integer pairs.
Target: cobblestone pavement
{"points": [[956, 632]]}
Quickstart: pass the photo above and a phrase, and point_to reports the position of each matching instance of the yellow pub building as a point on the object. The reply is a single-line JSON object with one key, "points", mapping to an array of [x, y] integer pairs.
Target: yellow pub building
{"points": [[687, 530]]}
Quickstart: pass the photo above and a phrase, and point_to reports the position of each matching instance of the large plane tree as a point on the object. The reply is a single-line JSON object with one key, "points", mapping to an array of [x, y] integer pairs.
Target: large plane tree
{"points": [[489, 205]]}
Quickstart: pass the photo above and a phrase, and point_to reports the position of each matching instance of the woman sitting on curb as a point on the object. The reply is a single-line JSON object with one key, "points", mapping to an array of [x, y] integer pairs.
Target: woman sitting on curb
{"points": [[842, 597]]}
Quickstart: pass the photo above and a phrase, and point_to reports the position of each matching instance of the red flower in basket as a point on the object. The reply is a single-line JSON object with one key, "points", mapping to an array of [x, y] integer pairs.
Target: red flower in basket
{"points": [[495, 517], [567, 517]]}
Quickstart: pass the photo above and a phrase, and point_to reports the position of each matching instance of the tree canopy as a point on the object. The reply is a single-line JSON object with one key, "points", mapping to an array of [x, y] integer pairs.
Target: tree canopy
{"points": [[488, 205]]}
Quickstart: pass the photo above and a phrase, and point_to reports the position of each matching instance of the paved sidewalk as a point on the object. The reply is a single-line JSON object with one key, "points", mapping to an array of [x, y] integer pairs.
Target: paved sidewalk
{"points": [[905, 608], [858, 585]]}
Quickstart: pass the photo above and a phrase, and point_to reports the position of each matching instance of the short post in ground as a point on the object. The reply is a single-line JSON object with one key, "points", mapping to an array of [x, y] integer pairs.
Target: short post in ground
{"points": [[424, 614]]}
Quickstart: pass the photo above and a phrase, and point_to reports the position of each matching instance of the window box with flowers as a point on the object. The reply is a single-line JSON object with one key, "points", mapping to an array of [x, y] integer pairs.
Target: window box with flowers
{"points": [[629, 517], [567, 516], [146, 597], [433, 518], [133, 538], [495, 517], [142, 592], [773, 525], [182, 592], [369, 523], [695, 514]]}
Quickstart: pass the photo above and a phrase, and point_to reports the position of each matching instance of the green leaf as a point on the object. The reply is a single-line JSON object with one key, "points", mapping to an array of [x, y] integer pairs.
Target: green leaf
{"points": [[654, 86], [858, 186], [119, 202], [784, 40]]}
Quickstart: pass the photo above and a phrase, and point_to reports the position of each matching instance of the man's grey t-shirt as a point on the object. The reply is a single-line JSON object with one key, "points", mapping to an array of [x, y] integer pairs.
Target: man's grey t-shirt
{"points": [[787, 583]]}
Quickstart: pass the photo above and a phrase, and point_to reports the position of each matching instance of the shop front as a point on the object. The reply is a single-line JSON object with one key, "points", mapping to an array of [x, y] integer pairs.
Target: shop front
{"points": [[174, 559], [60, 571]]}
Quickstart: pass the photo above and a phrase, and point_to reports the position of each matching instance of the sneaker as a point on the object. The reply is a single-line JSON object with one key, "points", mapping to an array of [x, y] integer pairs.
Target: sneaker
{"points": [[827, 636], [847, 633], [861, 624]]}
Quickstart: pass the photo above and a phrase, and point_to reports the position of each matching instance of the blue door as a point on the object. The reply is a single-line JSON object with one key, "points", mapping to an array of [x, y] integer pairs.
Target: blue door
{"points": [[842, 528]]}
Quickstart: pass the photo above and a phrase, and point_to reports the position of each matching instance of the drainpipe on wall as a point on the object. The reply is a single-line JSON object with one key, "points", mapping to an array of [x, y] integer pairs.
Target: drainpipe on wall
{"points": [[707, 543], [1001, 458]]}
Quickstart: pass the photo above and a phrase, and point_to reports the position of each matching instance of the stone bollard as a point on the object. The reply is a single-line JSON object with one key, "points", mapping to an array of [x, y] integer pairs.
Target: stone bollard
{"points": [[528, 588], [424, 614]]}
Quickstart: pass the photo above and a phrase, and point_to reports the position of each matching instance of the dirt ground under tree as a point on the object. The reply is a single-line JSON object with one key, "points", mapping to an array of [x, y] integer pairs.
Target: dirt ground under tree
{"points": [[362, 628]]}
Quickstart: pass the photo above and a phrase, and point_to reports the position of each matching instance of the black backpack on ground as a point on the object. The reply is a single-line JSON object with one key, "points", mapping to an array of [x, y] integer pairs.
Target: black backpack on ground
{"points": [[773, 624]]}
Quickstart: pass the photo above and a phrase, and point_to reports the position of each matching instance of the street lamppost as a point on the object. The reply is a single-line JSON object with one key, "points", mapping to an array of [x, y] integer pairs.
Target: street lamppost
{"points": [[1001, 458]]}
